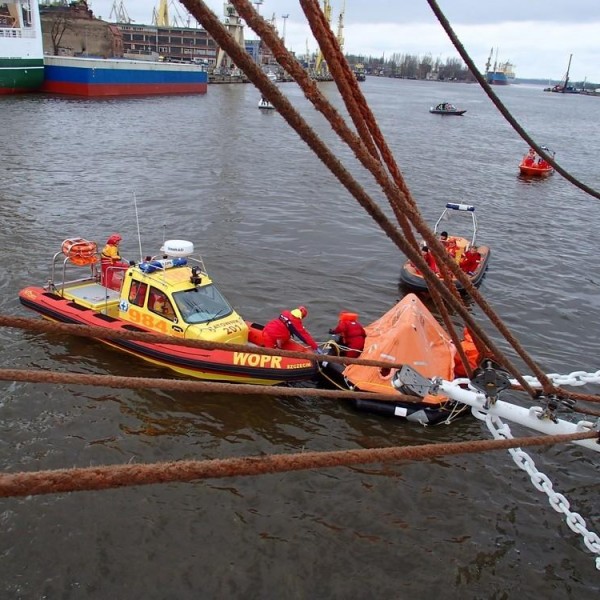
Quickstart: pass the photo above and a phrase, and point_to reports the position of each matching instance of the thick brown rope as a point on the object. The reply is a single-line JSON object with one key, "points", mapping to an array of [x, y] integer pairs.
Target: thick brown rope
{"points": [[500, 106], [514, 124], [102, 333], [212, 387], [367, 126], [242, 59], [117, 476], [393, 193], [203, 387]]}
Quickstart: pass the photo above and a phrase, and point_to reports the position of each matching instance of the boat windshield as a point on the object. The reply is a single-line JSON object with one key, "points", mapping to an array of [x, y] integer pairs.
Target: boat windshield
{"points": [[202, 304]]}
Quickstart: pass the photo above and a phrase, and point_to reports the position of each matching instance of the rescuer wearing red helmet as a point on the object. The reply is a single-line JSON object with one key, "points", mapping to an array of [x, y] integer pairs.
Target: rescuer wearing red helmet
{"points": [[112, 264], [111, 250], [278, 332], [352, 334]]}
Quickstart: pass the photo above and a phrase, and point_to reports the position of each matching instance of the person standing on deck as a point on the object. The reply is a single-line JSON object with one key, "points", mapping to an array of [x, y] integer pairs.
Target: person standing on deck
{"points": [[112, 265], [110, 252]]}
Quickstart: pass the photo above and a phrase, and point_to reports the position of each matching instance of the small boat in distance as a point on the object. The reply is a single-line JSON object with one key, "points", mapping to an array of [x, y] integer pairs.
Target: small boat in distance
{"points": [[471, 258], [407, 334], [533, 165], [445, 108], [359, 72], [265, 104], [169, 294]]}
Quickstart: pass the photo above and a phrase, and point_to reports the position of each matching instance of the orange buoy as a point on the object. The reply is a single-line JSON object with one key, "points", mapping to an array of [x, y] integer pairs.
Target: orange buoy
{"points": [[79, 251]]}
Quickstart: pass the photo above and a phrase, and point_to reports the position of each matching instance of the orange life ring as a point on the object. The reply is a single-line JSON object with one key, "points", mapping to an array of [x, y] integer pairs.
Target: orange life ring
{"points": [[79, 251]]}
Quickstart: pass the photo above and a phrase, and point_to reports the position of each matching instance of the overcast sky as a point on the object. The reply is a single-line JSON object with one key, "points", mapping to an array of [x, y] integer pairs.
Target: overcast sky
{"points": [[537, 36]]}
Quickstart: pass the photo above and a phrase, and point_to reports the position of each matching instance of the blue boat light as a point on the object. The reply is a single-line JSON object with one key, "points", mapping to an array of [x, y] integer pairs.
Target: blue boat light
{"points": [[456, 206]]}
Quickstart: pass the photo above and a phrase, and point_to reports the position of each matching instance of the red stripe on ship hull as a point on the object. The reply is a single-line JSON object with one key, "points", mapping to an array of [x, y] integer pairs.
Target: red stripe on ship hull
{"points": [[93, 91]]}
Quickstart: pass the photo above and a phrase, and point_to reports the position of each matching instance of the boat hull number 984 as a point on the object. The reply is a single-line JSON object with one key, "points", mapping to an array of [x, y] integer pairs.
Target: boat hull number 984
{"points": [[147, 320]]}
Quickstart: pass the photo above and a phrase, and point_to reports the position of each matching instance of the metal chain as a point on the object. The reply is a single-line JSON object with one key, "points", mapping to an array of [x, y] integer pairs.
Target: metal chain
{"points": [[575, 378], [543, 484]]}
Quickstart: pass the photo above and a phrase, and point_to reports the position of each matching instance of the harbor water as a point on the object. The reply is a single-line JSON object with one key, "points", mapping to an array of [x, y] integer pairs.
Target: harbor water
{"points": [[276, 229]]}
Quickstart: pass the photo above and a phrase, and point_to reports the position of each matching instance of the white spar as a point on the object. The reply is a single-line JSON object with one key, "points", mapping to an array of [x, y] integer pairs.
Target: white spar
{"points": [[528, 417]]}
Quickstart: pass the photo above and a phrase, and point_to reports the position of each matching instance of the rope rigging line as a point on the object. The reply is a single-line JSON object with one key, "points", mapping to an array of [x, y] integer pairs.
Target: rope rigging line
{"points": [[106, 334], [500, 106], [578, 378], [183, 385], [394, 194], [363, 118], [301, 77], [185, 471], [311, 91], [397, 192]]}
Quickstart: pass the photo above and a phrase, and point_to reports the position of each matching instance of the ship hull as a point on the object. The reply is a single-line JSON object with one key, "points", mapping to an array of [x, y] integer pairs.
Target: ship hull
{"points": [[18, 75], [496, 78], [21, 50], [97, 77]]}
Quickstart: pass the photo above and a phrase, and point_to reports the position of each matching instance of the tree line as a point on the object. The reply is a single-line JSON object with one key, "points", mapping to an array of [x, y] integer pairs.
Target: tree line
{"points": [[412, 66]]}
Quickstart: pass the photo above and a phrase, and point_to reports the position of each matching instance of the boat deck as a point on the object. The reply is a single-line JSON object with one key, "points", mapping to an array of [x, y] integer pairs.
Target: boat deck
{"points": [[93, 295]]}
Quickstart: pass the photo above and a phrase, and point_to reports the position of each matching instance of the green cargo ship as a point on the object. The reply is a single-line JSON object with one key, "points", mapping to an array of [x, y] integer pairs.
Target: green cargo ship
{"points": [[21, 48]]}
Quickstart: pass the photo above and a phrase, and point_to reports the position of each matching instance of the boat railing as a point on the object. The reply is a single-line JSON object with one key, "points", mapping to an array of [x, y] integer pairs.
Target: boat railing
{"points": [[454, 207], [52, 283], [161, 265], [197, 261], [13, 32]]}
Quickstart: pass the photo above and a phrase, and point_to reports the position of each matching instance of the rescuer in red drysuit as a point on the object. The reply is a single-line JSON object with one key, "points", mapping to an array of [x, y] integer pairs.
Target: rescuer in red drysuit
{"points": [[449, 243], [429, 259], [112, 265], [352, 334], [278, 332], [470, 260]]}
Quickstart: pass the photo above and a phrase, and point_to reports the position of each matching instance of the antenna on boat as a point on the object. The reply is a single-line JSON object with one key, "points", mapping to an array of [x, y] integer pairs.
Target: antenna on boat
{"points": [[137, 221]]}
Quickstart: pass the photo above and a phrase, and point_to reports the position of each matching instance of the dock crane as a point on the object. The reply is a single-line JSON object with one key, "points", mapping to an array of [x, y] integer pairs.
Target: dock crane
{"points": [[120, 13], [340, 30], [235, 27], [321, 69], [160, 15]]}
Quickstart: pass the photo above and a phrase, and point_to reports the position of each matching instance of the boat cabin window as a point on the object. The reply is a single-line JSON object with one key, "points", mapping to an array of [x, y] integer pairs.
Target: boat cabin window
{"points": [[159, 303], [137, 293], [202, 304]]}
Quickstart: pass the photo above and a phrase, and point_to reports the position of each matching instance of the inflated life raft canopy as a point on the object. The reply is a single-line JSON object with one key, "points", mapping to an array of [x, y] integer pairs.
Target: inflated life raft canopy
{"points": [[177, 248]]}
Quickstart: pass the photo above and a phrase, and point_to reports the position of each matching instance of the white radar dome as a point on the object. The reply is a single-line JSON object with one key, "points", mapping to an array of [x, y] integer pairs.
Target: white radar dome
{"points": [[177, 248]]}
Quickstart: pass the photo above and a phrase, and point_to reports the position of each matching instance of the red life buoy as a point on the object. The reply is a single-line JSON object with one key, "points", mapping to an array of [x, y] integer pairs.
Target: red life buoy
{"points": [[79, 251]]}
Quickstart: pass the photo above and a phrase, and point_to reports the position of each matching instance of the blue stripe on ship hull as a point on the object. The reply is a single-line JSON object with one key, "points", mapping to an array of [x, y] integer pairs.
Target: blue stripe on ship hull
{"points": [[122, 76]]}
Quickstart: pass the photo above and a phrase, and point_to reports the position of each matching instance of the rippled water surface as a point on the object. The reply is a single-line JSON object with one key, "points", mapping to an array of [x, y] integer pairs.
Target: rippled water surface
{"points": [[276, 230]]}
